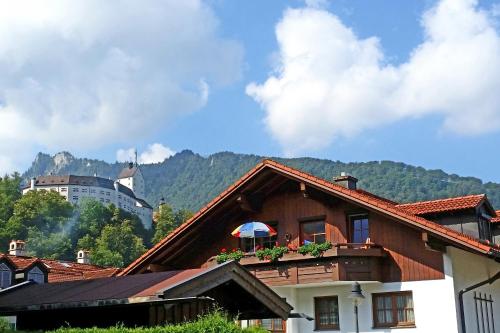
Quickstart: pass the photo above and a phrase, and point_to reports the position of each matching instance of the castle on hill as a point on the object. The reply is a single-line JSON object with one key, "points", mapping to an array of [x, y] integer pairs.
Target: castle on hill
{"points": [[126, 192]]}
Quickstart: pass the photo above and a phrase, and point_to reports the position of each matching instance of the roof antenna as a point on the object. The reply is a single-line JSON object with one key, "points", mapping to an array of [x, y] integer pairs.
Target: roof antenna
{"points": [[135, 153]]}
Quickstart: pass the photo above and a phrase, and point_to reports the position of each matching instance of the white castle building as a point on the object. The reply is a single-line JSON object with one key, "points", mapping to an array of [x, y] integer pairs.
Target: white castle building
{"points": [[126, 192]]}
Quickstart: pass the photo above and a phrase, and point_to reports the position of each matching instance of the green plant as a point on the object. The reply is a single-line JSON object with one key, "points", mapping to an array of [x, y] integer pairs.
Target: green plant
{"points": [[314, 249], [215, 322], [235, 254], [271, 254]]}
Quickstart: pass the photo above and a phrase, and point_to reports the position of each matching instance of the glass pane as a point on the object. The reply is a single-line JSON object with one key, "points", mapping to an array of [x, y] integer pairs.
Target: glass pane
{"points": [[360, 230], [313, 231], [328, 311], [319, 239], [267, 324]]}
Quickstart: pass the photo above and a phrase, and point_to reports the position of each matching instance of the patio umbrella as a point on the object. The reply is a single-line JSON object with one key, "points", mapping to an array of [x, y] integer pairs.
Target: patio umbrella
{"points": [[253, 230]]}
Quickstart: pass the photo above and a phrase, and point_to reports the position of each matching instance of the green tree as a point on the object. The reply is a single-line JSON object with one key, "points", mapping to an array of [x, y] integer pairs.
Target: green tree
{"points": [[181, 216], [43, 212], [117, 246], [93, 216], [9, 193], [52, 246], [165, 223]]}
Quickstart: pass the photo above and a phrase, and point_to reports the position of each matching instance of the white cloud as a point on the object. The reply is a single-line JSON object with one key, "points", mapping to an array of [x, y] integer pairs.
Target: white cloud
{"points": [[86, 73], [330, 83], [155, 153]]}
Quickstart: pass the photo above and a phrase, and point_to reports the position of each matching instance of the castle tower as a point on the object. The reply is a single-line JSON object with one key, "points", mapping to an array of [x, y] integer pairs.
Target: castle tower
{"points": [[131, 177]]}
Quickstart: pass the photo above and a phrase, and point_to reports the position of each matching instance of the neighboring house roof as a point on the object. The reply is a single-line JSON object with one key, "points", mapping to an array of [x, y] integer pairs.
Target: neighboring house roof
{"points": [[61, 270], [356, 196], [496, 219], [128, 171], [444, 205], [143, 288]]}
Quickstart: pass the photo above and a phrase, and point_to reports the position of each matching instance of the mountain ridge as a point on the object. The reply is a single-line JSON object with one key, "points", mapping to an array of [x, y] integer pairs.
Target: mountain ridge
{"points": [[189, 180]]}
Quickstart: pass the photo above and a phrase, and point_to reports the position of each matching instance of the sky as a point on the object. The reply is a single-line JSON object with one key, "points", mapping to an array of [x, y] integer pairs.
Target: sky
{"points": [[415, 81]]}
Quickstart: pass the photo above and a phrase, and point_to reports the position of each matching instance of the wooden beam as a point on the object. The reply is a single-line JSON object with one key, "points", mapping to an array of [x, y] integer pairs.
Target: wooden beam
{"points": [[245, 203], [303, 189], [433, 244], [156, 268]]}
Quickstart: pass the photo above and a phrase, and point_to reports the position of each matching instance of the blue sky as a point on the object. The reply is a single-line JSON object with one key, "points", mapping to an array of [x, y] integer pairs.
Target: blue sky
{"points": [[231, 118]]}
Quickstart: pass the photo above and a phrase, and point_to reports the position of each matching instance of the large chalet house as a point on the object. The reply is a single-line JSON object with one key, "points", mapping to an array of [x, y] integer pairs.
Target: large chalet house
{"points": [[422, 267]]}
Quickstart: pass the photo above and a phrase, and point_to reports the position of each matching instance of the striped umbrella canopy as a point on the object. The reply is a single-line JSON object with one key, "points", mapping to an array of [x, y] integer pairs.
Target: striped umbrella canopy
{"points": [[253, 230]]}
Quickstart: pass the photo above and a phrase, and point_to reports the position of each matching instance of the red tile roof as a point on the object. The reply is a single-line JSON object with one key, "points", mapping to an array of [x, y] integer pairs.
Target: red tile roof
{"points": [[443, 205], [361, 197], [496, 219], [62, 270]]}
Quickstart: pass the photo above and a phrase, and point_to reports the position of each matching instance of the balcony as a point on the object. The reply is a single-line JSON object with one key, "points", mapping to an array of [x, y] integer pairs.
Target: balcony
{"points": [[343, 262]]}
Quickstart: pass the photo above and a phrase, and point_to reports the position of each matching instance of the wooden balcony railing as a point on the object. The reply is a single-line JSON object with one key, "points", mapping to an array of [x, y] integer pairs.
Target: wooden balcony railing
{"points": [[343, 262]]}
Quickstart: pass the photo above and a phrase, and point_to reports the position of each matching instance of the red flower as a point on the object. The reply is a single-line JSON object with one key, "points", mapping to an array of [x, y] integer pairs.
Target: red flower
{"points": [[223, 250], [234, 250]]}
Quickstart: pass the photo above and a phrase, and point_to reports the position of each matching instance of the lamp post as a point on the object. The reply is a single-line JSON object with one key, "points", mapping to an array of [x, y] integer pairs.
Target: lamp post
{"points": [[357, 296]]}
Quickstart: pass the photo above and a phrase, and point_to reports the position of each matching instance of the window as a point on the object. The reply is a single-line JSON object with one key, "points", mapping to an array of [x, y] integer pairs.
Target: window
{"points": [[76, 189], [107, 193], [102, 192], [5, 276], [326, 313], [359, 229], [393, 309], [64, 189], [75, 197], [84, 190], [247, 244], [312, 232], [274, 325], [36, 275], [92, 191]]}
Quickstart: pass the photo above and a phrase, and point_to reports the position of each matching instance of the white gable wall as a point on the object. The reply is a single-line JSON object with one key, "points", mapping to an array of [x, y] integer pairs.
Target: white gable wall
{"points": [[469, 269]]}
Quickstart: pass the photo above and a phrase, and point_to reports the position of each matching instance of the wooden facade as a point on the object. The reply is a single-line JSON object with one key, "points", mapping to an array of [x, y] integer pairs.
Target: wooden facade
{"points": [[397, 251]]}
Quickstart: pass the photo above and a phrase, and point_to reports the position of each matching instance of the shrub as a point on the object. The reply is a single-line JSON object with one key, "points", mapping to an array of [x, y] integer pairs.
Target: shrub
{"points": [[216, 322], [314, 249], [272, 254]]}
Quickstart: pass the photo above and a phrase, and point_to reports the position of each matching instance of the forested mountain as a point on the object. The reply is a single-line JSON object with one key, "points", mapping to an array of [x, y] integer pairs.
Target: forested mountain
{"points": [[188, 180]]}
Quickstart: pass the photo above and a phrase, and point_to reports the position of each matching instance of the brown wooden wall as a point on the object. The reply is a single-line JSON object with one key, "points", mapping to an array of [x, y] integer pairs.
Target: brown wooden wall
{"points": [[408, 259]]}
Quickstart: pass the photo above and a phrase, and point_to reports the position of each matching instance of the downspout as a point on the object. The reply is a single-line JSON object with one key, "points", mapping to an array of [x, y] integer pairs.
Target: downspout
{"points": [[463, 291]]}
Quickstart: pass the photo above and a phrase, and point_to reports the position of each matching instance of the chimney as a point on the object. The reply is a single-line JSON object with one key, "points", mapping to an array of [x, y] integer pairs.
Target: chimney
{"points": [[116, 185], [17, 248], [83, 257], [130, 165], [32, 183], [346, 181]]}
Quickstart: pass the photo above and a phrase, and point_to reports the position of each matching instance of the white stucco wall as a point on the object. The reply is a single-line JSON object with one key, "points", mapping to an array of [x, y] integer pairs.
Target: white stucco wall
{"points": [[435, 301], [75, 193], [434, 304], [469, 269]]}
